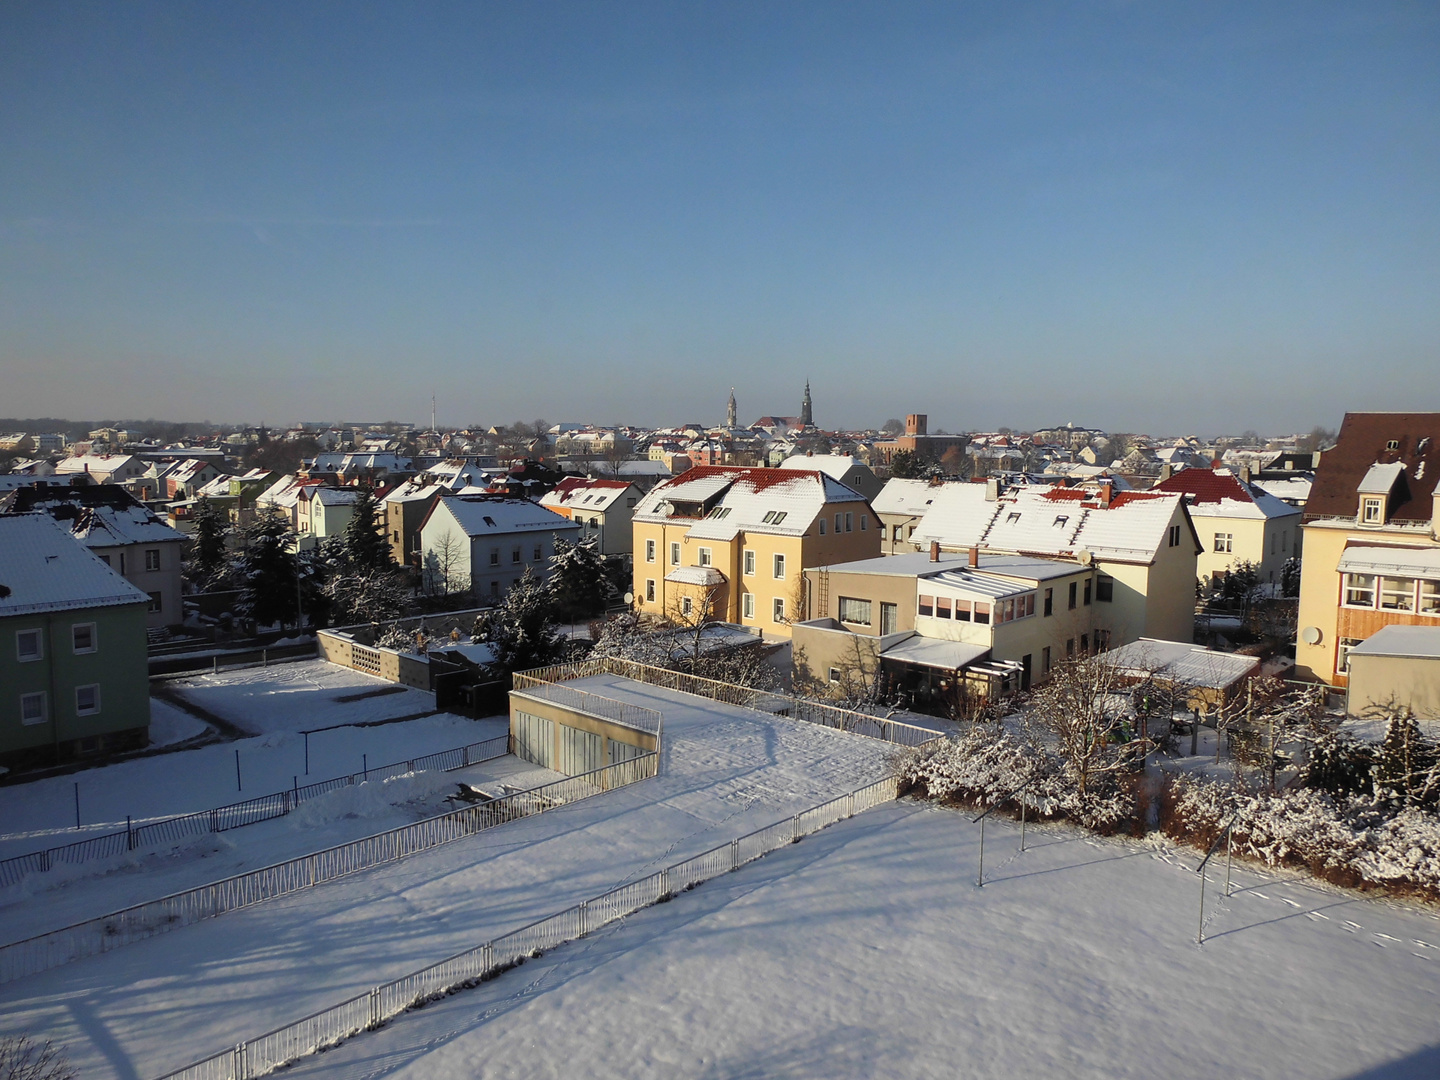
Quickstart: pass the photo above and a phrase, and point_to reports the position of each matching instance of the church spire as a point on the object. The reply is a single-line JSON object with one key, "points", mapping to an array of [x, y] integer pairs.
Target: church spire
{"points": [[806, 418], [730, 412]]}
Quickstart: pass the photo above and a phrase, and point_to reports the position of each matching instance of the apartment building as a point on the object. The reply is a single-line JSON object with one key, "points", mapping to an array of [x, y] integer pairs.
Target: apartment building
{"points": [[485, 543], [602, 508], [1237, 522]]}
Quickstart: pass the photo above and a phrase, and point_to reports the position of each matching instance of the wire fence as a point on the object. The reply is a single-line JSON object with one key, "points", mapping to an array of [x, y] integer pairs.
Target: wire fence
{"points": [[238, 814], [373, 1008], [141, 921], [810, 712]]}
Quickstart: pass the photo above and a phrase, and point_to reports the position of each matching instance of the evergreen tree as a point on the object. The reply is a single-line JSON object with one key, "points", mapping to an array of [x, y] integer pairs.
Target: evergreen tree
{"points": [[905, 465], [364, 544], [521, 632], [268, 572], [1407, 769], [578, 583], [1339, 765], [208, 560]]}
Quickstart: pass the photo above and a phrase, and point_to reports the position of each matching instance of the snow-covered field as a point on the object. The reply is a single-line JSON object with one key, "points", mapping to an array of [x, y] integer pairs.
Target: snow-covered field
{"points": [[300, 696], [169, 725], [149, 1007], [867, 951]]}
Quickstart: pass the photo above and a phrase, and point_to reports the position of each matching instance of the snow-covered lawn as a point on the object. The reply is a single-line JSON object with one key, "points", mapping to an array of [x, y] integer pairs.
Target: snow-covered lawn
{"points": [[866, 950], [301, 696], [145, 1008], [169, 725]]}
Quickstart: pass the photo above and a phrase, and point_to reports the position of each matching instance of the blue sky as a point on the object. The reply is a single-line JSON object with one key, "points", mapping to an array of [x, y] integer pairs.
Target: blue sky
{"points": [[1142, 216]]}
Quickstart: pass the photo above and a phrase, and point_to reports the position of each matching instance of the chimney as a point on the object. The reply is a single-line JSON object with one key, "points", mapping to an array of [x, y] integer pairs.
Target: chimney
{"points": [[974, 555], [1245, 473], [1166, 471], [934, 550], [992, 489], [1106, 491]]}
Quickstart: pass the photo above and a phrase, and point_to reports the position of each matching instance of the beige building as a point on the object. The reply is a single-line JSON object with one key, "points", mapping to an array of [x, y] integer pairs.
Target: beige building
{"points": [[1372, 549], [1396, 665], [602, 508], [728, 544], [1237, 522]]}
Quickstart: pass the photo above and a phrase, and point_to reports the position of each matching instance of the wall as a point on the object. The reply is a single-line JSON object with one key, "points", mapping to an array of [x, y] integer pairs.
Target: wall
{"points": [[166, 581], [1377, 680], [897, 589], [1253, 540], [565, 717]]}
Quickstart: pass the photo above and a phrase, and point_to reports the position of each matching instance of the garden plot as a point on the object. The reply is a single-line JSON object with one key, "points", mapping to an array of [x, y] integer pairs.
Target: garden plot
{"points": [[301, 696], [152, 1006], [867, 950]]}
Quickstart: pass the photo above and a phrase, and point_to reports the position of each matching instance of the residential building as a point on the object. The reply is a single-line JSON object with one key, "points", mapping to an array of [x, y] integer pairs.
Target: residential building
{"points": [[74, 678], [730, 544], [104, 468], [406, 507], [900, 506], [322, 512], [602, 508], [1396, 667], [1372, 549], [187, 477], [1237, 522], [854, 474], [485, 543]]}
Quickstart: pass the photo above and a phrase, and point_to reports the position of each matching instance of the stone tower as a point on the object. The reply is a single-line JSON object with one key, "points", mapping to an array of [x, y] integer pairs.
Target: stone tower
{"points": [[730, 411], [806, 418]]}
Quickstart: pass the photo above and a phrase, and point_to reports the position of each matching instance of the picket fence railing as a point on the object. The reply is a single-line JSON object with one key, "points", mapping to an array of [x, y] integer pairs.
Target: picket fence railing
{"points": [[238, 814], [141, 921], [370, 1010], [796, 708]]}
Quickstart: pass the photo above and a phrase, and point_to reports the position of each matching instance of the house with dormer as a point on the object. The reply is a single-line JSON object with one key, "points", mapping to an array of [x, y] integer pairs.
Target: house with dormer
{"points": [[1238, 523], [1372, 539], [602, 508]]}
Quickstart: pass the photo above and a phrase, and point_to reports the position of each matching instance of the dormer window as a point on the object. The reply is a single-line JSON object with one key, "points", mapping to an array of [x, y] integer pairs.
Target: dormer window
{"points": [[1012, 517], [1372, 511], [1393, 444], [1061, 520]]}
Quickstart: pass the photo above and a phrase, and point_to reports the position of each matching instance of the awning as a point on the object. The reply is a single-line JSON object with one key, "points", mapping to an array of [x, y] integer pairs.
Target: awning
{"points": [[935, 653], [1396, 561], [696, 575]]}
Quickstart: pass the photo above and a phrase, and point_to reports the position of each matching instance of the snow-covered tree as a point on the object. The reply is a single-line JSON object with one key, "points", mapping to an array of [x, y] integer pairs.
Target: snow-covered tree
{"points": [[1339, 765], [1407, 766], [579, 585], [207, 564], [521, 631], [358, 595], [1083, 711], [268, 591], [364, 542]]}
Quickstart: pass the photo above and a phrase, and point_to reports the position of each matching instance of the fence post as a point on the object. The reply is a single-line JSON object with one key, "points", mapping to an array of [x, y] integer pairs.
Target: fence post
{"points": [[241, 1070], [980, 878], [375, 1007], [734, 854], [129, 834], [795, 828], [665, 882], [584, 918]]}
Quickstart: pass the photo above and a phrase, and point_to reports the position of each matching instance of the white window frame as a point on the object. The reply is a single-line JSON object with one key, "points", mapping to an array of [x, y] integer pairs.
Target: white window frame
{"points": [[152, 555], [749, 562], [34, 696], [747, 605], [94, 645], [777, 565], [834, 676], [703, 556], [856, 606], [156, 602], [674, 552], [1372, 511], [649, 550], [777, 610], [1224, 543], [1350, 588], [687, 605], [822, 526], [39, 654], [849, 521], [650, 590], [92, 710], [1342, 654]]}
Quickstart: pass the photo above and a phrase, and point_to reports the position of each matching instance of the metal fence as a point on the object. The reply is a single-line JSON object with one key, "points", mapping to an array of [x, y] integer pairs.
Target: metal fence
{"points": [[141, 921], [811, 712], [371, 1009], [621, 712], [238, 814]]}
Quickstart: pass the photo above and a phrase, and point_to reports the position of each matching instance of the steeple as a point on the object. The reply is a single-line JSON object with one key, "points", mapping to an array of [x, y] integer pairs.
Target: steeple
{"points": [[730, 412], [805, 415]]}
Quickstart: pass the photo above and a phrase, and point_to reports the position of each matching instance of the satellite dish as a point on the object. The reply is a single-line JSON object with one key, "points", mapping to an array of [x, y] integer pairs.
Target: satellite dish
{"points": [[1311, 635], [1084, 556], [629, 598], [667, 509]]}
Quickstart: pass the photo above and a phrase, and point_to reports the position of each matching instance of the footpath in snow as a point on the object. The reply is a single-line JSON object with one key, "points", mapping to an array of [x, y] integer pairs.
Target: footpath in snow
{"points": [[152, 1006], [866, 950]]}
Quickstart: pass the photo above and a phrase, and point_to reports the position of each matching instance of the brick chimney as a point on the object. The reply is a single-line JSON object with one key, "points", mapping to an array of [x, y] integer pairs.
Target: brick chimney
{"points": [[1107, 490], [974, 555], [934, 550]]}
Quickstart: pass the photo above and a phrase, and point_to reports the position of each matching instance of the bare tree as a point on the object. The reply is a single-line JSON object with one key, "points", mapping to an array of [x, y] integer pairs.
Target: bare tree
{"points": [[446, 566], [616, 456], [1082, 709], [22, 1058]]}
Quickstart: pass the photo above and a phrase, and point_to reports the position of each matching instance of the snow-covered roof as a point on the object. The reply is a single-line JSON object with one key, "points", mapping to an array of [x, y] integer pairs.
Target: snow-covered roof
{"points": [[1398, 561], [284, 492], [218, 486], [1295, 489], [783, 502], [108, 526], [579, 492], [1220, 493], [492, 515], [411, 491], [901, 496], [958, 517], [935, 652], [95, 463], [328, 496], [695, 575], [836, 465], [43, 569], [1419, 642], [1191, 665], [1380, 479]]}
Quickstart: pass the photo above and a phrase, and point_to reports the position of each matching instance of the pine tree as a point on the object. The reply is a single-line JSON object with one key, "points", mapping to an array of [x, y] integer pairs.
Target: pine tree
{"points": [[365, 545], [1406, 767], [208, 560], [521, 632], [268, 592], [1339, 765], [578, 583]]}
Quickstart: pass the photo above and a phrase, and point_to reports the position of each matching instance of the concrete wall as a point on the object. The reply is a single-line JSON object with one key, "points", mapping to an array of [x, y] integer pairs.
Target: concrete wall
{"points": [[566, 717], [1379, 680], [166, 580]]}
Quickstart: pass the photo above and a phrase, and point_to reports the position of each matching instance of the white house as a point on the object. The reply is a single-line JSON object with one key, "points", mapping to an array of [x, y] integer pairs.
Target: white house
{"points": [[485, 543]]}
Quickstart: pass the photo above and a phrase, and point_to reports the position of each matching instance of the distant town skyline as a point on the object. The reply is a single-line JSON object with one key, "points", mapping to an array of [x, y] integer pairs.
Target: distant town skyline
{"points": [[1138, 217]]}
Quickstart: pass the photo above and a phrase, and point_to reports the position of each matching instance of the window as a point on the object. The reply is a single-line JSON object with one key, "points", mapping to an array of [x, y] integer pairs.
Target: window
{"points": [[1430, 598], [495, 589], [719, 512], [962, 610], [540, 549], [1224, 542], [1060, 520], [822, 526], [1070, 648], [629, 504], [849, 522], [687, 605], [1084, 644], [494, 556], [1397, 593], [777, 613], [32, 708], [895, 532], [649, 550], [1393, 444], [773, 517], [704, 556], [29, 645], [779, 567], [152, 558], [1372, 511], [1074, 588], [839, 520], [834, 675], [1174, 535], [864, 522], [105, 559], [747, 605], [87, 699], [1012, 517], [749, 563], [926, 605], [982, 612], [1102, 640], [1360, 590], [515, 555], [1087, 592], [1104, 588], [942, 607], [1045, 660], [122, 562], [1342, 652], [674, 553], [1049, 602], [82, 636], [911, 533], [855, 611], [154, 602], [650, 590]]}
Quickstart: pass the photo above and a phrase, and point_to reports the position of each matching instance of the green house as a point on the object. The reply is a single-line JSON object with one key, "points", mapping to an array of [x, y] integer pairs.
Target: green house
{"points": [[74, 675]]}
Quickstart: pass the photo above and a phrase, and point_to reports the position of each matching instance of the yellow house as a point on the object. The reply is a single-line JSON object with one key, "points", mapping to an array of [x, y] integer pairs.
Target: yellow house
{"points": [[1237, 523], [1372, 546], [730, 544]]}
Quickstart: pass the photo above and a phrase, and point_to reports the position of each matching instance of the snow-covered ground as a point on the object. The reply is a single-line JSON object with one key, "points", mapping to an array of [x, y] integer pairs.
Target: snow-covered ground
{"points": [[867, 951], [169, 725], [296, 697], [152, 1006]]}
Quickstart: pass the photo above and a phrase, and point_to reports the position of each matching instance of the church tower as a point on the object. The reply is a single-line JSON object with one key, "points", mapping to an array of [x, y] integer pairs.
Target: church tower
{"points": [[730, 412], [806, 419]]}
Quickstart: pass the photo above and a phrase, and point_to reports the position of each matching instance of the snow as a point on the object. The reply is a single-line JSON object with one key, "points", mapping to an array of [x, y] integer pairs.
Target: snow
{"points": [[867, 950], [297, 697], [169, 725], [155, 1005]]}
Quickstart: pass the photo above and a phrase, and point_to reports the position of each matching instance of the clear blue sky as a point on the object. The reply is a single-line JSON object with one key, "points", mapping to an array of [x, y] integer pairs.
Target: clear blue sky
{"points": [[1143, 216]]}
